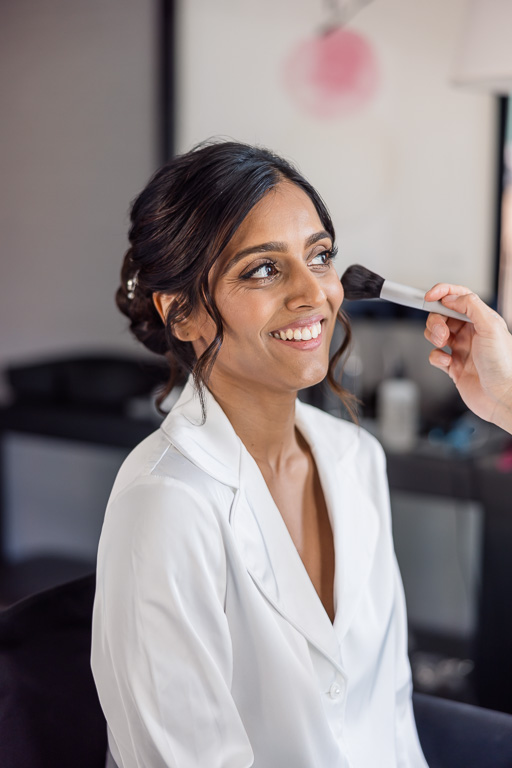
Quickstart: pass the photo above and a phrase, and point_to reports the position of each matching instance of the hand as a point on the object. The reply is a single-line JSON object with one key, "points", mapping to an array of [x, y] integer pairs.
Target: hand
{"points": [[480, 363]]}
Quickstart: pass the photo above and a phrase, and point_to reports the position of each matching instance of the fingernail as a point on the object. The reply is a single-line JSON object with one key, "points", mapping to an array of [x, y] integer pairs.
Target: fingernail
{"points": [[450, 298], [438, 334], [445, 360]]}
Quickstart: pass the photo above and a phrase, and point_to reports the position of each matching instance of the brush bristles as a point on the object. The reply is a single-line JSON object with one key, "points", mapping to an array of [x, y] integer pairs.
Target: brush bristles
{"points": [[361, 283]]}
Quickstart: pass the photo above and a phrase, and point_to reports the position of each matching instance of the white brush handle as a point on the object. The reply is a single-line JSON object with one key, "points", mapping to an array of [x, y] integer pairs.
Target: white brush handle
{"points": [[415, 298]]}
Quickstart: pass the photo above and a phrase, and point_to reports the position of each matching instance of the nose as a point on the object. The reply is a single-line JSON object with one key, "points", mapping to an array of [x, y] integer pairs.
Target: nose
{"points": [[304, 289]]}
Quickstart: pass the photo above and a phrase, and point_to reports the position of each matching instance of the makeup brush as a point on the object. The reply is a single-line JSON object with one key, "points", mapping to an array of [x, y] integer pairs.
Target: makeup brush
{"points": [[361, 283]]}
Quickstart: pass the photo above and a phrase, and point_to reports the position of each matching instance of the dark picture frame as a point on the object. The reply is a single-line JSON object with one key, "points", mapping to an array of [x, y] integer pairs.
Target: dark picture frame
{"points": [[167, 80], [503, 248]]}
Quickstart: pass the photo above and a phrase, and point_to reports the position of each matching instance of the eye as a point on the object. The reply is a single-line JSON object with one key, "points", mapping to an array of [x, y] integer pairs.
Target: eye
{"points": [[323, 258], [262, 272]]}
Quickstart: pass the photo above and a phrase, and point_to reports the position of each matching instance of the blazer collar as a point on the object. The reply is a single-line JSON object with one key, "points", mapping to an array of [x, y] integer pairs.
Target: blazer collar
{"points": [[266, 546], [213, 446], [216, 448]]}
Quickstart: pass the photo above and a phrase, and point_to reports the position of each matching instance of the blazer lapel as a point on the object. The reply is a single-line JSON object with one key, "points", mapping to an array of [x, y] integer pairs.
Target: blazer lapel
{"points": [[274, 563], [353, 515], [355, 525]]}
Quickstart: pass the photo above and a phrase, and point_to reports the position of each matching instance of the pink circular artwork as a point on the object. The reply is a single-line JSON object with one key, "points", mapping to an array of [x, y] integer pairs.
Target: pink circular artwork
{"points": [[333, 74]]}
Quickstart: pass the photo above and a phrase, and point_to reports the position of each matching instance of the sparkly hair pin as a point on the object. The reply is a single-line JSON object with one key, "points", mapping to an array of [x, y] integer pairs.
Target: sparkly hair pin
{"points": [[131, 285]]}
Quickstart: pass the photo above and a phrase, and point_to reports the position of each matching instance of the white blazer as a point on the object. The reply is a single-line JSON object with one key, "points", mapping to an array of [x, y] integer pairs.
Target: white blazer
{"points": [[211, 647]]}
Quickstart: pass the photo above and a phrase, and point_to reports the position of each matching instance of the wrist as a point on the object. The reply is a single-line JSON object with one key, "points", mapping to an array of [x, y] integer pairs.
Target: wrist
{"points": [[503, 413]]}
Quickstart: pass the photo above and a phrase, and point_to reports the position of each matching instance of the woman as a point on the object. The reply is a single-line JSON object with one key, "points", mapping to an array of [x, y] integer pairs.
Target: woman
{"points": [[249, 610]]}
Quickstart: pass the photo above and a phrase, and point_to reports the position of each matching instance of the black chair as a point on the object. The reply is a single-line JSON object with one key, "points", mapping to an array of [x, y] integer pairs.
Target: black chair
{"points": [[455, 735], [50, 716]]}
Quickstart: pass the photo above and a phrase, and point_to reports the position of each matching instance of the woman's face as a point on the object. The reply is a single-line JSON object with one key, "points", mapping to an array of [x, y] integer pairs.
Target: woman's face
{"points": [[278, 293]]}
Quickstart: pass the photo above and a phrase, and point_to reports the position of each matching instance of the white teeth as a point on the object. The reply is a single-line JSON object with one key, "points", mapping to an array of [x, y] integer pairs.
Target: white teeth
{"points": [[300, 334]]}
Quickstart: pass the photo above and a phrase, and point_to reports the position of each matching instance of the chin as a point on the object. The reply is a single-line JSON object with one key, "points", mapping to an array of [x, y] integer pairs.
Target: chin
{"points": [[308, 378]]}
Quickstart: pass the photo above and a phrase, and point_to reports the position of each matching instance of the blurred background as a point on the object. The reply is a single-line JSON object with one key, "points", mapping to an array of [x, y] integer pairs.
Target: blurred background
{"points": [[398, 112]]}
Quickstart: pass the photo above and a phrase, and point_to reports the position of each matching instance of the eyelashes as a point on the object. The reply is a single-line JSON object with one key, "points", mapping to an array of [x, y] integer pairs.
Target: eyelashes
{"points": [[253, 273], [268, 269], [330, 254]]}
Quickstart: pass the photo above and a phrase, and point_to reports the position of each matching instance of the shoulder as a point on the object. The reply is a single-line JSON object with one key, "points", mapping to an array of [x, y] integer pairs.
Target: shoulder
{"points": [[164, 517], [157, 518], [162, 503], [158, 468], [161, 545]]}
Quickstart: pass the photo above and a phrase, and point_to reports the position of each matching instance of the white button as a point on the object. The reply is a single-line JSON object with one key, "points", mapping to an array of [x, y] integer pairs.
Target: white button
{"points": [[335, 691]]}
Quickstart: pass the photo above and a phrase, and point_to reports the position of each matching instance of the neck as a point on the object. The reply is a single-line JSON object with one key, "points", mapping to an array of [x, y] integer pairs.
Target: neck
{"points": [[263, 420]]}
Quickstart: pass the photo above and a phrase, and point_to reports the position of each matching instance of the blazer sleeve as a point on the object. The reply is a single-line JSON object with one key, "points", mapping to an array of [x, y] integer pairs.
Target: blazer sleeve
{"points": [[161, 654]]}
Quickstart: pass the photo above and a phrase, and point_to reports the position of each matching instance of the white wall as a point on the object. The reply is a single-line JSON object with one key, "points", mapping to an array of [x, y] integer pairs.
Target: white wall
{"points": [[77, 142], [409, 179]]}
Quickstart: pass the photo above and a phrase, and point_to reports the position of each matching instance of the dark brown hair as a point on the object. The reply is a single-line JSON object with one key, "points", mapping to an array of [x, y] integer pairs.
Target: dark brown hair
{"points": [[180, 224]]}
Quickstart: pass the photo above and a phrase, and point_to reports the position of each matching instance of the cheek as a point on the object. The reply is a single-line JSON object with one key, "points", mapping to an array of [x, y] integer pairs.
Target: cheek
{"points": [[248, 315], [203, 332], [335, 292], [207, 327]]}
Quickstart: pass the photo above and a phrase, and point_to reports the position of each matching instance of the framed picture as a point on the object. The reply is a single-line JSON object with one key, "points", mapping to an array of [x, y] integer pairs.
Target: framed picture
{"points": [[504, 249], [166, 85]]}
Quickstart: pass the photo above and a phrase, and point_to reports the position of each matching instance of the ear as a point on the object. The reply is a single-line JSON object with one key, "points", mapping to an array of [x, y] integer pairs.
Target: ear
{"points": [[185, 330], [162, 302]]}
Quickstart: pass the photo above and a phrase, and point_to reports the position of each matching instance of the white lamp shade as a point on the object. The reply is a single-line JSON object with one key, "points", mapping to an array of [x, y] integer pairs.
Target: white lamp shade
{"points": [[484, 56]]}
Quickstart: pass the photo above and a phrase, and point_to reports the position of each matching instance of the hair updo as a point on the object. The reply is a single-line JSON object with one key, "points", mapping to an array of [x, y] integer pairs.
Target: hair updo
{"points": [[180, 224]]}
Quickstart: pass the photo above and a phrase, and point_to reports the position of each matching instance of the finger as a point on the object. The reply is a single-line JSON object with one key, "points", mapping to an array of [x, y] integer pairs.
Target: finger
{"points": [[441, 360], [460, 352], [437, 332], [434, 319], [444, 289], [461, 347], [456, 325], [441, 328], [483, 317]]}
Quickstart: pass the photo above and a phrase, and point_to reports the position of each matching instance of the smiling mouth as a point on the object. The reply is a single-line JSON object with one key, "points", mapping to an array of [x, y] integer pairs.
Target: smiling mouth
{"points": [[306, 333]]}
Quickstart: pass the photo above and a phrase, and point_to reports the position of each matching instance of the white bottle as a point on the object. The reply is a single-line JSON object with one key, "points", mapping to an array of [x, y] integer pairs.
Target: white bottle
{"points": [[398, 403]]}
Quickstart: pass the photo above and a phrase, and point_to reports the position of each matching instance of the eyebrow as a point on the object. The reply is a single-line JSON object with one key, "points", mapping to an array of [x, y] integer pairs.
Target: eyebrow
{"points": [[272, 247]]}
